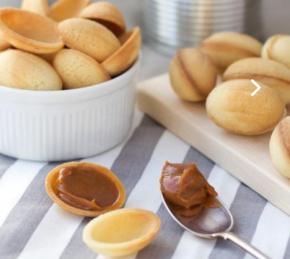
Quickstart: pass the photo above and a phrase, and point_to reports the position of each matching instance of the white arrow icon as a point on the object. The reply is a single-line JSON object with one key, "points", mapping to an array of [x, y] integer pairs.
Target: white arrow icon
{"points": [[258, 87]]}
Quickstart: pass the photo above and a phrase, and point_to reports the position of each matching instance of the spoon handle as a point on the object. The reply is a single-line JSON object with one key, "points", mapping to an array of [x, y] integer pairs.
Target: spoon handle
{"points": [[241, 243]]}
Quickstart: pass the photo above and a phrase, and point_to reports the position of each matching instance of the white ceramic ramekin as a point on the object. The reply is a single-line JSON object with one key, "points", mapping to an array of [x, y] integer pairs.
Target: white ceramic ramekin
{"points": [[65, 125]]}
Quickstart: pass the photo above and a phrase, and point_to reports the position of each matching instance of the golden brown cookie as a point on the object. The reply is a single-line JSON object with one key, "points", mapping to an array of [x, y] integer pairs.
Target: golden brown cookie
{"points": [[245, 107], [280, 147], [277, 48], [121, 232], [77, 69], [192, 74], [268, 72], [29, 31], [224, 48], [107, 14], [37, 6], [89, 37], [126, 55], [3, 44], [23, 70], [73, 193], [65, 9]]}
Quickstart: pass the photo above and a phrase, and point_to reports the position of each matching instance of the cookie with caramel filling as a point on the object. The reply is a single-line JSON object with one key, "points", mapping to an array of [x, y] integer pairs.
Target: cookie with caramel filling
{"points": [[85, 189]]}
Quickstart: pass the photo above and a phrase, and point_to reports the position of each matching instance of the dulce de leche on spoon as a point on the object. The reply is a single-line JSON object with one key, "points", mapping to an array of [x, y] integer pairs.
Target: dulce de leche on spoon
{"points": [[192, 202], [85, 189], [186, 190]]}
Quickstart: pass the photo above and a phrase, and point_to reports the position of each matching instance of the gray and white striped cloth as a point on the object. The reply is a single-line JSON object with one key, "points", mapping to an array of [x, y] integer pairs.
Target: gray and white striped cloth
{"points": [[32, 227]]}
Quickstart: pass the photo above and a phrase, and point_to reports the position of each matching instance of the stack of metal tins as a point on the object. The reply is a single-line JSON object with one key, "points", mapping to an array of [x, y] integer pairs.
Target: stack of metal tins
{"points": [[171, 24]]}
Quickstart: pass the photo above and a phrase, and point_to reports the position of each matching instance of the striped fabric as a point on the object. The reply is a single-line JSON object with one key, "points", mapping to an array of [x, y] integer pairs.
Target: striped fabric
{"points": [[32, 227]]}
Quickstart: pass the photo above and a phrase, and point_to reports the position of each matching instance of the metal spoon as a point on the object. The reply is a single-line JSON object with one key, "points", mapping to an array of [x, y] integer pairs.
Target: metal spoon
{"points": [[214, 223]]}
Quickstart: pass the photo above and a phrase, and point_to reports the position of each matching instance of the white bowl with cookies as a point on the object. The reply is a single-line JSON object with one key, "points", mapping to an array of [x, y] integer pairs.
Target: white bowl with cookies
{"points": [[67, 86]]}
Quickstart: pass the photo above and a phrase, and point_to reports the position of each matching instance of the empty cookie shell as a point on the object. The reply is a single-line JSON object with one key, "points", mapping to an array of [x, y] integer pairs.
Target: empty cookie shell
{"points": [[121, 232], [36, 6], [29, 31], [23, 70], [107, 14], [126, 55], [78, 69], [89, 37], [85, 189], [65, 9]]}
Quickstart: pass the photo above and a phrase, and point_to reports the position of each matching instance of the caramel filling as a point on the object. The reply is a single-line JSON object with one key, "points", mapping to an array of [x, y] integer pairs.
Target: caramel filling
{"points": [[85, 188], [186, 189]]}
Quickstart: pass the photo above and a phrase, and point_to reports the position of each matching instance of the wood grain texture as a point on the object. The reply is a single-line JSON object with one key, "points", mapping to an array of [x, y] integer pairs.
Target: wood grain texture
{"points": [[247, 158]]}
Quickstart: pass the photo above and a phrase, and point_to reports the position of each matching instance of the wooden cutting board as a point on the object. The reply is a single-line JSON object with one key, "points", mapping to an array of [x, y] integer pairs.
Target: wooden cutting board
{"points": [[247, 158]]}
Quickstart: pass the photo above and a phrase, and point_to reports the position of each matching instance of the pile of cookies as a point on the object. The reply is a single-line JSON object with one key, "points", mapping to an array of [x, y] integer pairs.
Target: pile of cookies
{"points": [[255, 91], [71, 44]]}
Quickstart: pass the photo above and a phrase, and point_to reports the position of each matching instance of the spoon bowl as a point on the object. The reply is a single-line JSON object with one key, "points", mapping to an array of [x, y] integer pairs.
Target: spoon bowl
{"points": [[212, 223]]}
